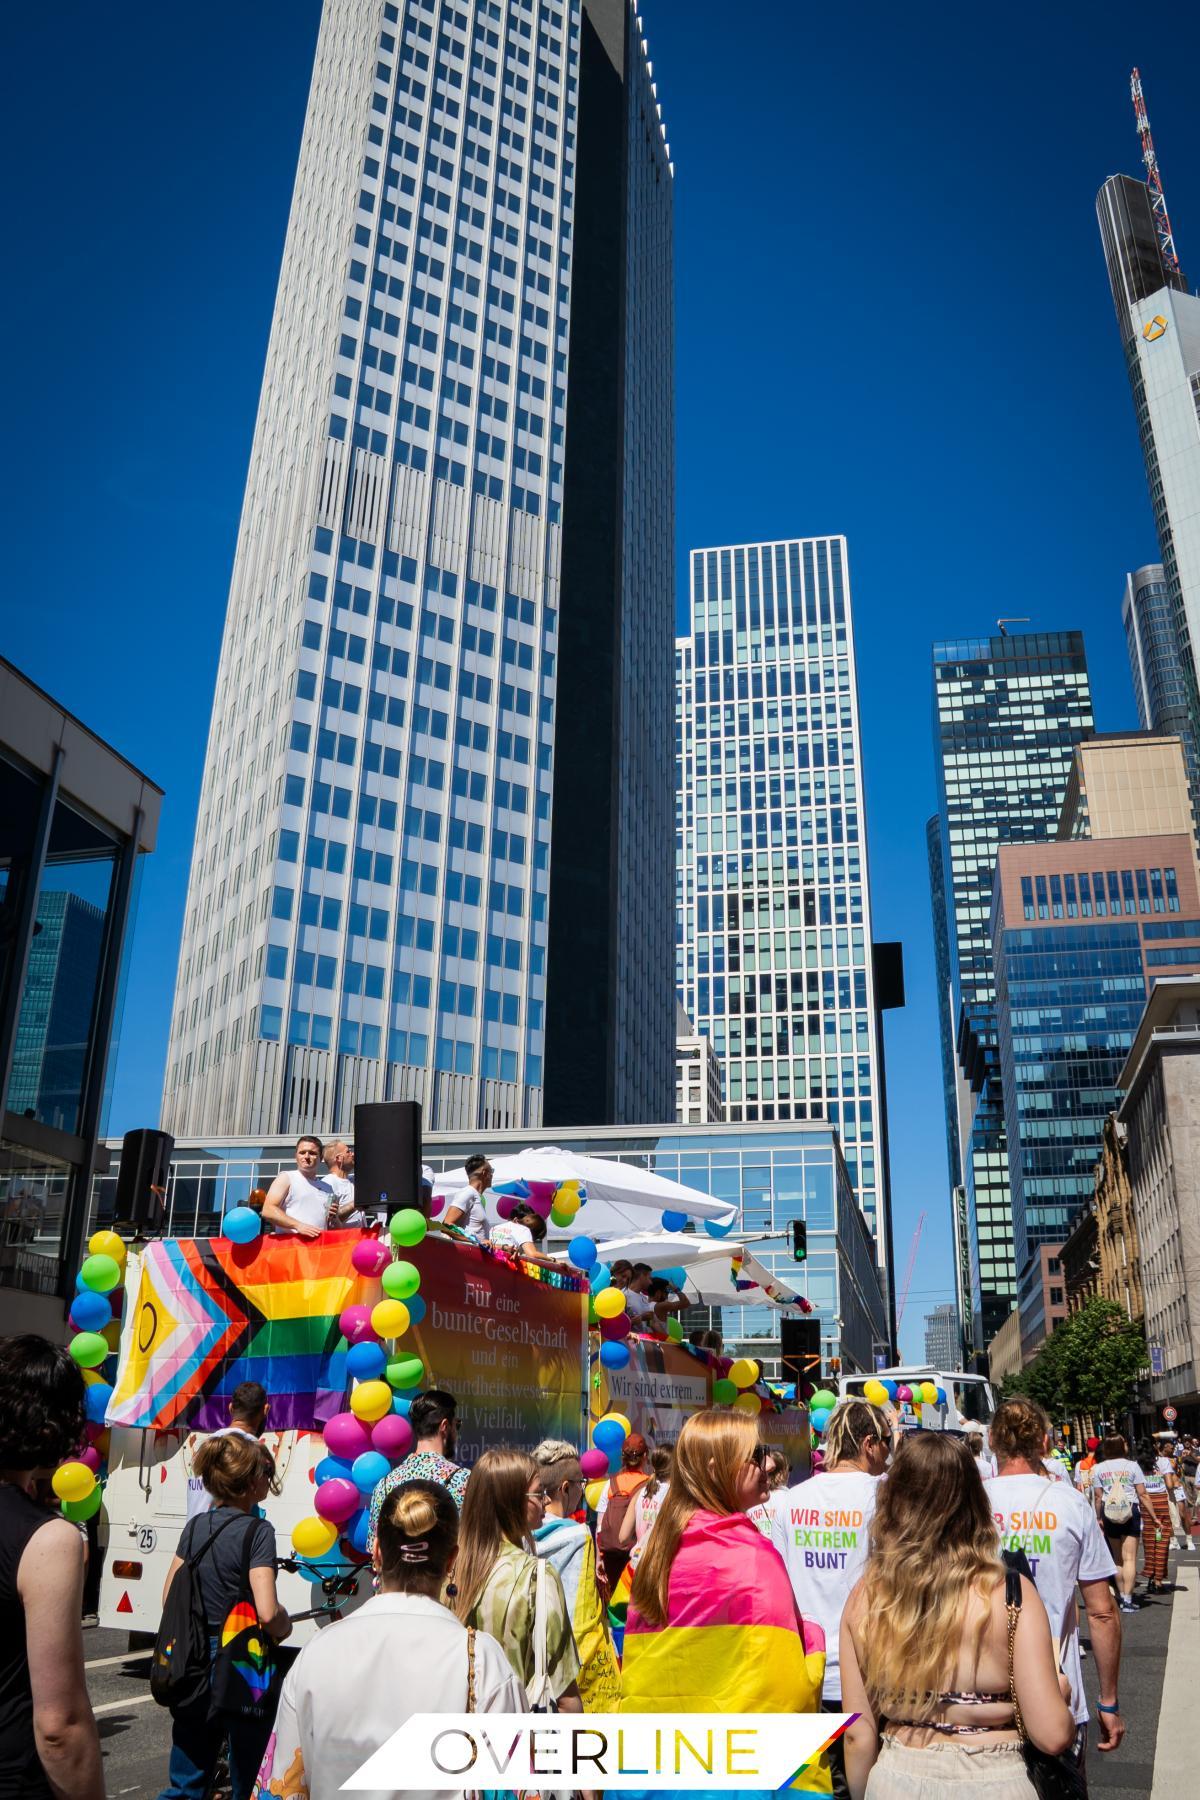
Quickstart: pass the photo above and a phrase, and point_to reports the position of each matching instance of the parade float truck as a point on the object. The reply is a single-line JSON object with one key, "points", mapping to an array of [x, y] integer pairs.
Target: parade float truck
{"points": [[927, 1398], [342, 1331]]}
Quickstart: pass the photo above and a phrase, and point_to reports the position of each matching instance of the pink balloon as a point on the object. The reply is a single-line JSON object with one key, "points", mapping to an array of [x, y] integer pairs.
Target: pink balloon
{"points": [[436, 1204], [620, 1327], [540, 1205], [370, 1257], [347, 1437], [594, 1463], [337, 1499], [903, 1393], [542, 1193], [90, 1456], [392, 1436], [506, 1205], [355, 1326]]}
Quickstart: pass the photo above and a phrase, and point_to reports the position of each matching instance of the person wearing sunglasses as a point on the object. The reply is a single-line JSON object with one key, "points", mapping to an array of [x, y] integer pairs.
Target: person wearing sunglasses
{"points": [[567, 1546]]}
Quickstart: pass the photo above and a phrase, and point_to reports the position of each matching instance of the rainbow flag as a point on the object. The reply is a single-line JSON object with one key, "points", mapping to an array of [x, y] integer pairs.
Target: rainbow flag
{"points": [[733, 1641], [209, 1314]]}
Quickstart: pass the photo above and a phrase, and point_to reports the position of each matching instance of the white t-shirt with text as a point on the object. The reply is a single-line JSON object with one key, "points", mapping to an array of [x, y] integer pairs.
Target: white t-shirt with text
{"points": [[199, 1500], [509, 1236], [820, 1530], [1056, 1528], [1106, 1475]]}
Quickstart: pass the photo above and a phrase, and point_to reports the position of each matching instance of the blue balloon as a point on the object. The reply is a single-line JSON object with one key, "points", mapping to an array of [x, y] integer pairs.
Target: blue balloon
{"points": [[402, 1402], [582, 1253], [242, 1225], [718, 1231], [674, 1221], [96, 1401], [941, 1396], [600, 1277], [676, 1277], [892, 1387], [614, 1354], [90, 1311], [316, 1568], [608, 1436], [820, 1418], [365, 1361], [368, 1470], [520, 1188], [416, 1309], [332, 1468], [355, 1531]]}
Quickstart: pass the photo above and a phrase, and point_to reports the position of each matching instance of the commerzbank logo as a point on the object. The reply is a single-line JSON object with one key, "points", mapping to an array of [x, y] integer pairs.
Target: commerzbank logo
{"points": [[1154, 328]]}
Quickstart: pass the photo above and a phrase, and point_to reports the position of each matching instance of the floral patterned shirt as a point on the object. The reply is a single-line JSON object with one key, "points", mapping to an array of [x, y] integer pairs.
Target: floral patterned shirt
{"points": [[419, 1465]]}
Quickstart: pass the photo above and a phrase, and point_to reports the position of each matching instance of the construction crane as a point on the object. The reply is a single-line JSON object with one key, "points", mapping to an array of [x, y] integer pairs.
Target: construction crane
{"points": [[908, 1273], [1158, 200]]}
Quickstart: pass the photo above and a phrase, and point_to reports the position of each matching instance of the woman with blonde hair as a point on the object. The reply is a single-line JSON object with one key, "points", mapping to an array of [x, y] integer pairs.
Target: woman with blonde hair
{"points": [[503, 1587], [712, 1624], [568, 1547], [933, 1660], [401, 1652]]}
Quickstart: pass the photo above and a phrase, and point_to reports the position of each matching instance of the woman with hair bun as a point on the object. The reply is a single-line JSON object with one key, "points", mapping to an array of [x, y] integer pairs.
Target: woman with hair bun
{"points": [[401, 1652]]}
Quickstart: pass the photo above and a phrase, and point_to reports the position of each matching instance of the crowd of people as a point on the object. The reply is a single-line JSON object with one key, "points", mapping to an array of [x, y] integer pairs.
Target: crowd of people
{"points": [[493, 1591]]}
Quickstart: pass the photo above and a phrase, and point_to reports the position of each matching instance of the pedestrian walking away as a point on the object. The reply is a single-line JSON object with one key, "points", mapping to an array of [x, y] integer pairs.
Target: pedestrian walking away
{"points": [[948, 1691], [1156, 1519], [1116, 1487], [1055, 1530]]}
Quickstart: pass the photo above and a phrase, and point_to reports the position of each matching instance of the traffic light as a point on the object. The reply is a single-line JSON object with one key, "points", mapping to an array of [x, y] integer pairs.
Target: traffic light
{"points": [[799, 1240]]}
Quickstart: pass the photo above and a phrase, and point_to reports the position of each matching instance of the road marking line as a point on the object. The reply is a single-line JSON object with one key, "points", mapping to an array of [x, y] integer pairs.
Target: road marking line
{"points": [[120, 1705], [108, 1662], [1175, 1749]]}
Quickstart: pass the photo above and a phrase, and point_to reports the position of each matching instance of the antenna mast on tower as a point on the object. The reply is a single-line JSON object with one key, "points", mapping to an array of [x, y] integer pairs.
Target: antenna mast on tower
{"points": [[1158, 200]]}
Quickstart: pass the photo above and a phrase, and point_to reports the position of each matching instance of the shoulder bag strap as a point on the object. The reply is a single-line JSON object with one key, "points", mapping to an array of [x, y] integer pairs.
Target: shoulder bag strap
{"points": [[470, 1668], [1012, 1600], [198, 1556], [539, 1629]]}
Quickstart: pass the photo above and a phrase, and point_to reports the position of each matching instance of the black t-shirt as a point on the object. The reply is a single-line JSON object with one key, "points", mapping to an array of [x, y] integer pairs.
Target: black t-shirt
{"points": [[21, 1772], [220, 1569]]}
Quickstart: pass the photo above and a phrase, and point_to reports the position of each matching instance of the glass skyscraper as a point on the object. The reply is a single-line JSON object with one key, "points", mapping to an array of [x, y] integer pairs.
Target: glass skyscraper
{"points": [[773, 929], [1007, 713], [1159, 322], [433, 852], [1155, 665]]}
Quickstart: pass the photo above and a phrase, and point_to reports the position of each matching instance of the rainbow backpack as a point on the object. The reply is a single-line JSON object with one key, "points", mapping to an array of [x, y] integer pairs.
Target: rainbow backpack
{"points": [[244, 1668]]}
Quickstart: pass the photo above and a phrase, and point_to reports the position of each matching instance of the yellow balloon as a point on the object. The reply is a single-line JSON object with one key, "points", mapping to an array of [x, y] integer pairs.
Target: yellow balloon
{"points": [[744, 1373], [610, 1303], [593, 1492], [748, 1403], [390, 1318], [313, 1536], [370, 1400], [107, 1243], [112, 1334], [875, 1392], [73, 1481], [929, 1392], [566, 1200]]}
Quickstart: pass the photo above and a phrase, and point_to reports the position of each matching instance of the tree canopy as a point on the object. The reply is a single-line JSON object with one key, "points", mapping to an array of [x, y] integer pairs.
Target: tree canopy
{"points": [[1090, 1364]]}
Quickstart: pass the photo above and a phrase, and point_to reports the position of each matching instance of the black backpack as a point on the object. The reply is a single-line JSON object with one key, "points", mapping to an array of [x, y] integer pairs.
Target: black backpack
{"points": [[179, 1662]]}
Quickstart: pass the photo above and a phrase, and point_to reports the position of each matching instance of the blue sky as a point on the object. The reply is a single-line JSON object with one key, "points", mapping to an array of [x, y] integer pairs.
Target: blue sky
{"points": [[892, 321]]}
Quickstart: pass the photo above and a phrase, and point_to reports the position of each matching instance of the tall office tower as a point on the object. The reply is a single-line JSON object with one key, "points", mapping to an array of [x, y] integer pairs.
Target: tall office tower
{"points": [[50, 1047], [942, 1347], [1007, 713], [773, 933], [953, 1088], [1159, 323], [433, 851], [1155, 665]]}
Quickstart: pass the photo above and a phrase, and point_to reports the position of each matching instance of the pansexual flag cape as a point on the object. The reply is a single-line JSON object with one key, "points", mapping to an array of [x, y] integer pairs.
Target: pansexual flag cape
{"points": [[733, 1642], [208, 1314]]}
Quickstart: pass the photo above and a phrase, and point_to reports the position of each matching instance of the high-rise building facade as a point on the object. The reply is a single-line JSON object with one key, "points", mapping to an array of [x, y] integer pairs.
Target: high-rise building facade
{"points": [[955, 1092], [1081, 929], [1007, 713], [433, 850], [1155, 665], [774, 950], [1159, 322], [942, 1343]]}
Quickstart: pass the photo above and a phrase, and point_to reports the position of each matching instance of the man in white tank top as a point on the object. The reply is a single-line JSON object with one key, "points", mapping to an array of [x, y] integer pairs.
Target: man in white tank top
{"points": [[301, 1200]]}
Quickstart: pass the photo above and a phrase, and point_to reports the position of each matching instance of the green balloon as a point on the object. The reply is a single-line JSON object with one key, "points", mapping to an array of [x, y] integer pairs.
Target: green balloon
{"points": [[724, 1392], [408, 1227], [89, 1349], [100, 1273], [822, 1398], [405, 1372], [79, 1510], [675, 1331], [401, 1280]]}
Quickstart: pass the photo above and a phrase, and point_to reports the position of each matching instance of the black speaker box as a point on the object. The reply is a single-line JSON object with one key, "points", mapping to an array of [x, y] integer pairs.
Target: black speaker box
{"points": [[387, 1155], [799, 1342], [141, 1198]]}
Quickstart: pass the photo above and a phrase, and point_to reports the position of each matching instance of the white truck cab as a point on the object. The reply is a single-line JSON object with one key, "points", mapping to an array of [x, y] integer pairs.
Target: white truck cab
{"points": [[969, 1404]]}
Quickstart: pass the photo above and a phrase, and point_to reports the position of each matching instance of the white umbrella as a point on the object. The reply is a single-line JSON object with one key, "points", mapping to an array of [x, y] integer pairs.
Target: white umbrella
{"points": [[621, 1196], [708, 1266]]}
